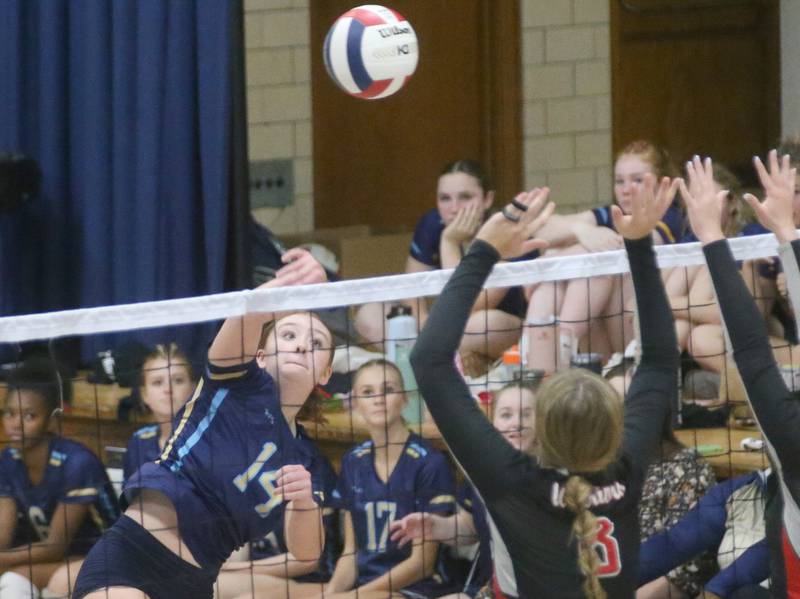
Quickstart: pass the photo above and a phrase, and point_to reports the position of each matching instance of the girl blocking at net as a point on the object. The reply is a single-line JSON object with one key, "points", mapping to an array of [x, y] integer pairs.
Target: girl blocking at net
{"points": [[228, 465], [775, 407], [580, 489]]}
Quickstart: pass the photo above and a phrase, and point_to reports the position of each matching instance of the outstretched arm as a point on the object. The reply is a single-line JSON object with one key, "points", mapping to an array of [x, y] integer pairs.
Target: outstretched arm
{"points": [[750, 568], [777, 411], [701, 529], [8, 521], [449, 399], [237, 339], [66, 521], [454, 530], [654, 388]]}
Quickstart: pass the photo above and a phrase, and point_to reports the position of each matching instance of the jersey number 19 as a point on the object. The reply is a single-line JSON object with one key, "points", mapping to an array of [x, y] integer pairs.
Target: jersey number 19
{"points": [[265, 479]]}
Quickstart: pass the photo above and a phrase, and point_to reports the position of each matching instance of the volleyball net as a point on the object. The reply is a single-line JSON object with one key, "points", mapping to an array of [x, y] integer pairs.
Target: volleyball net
{"points": [[103, 403]]}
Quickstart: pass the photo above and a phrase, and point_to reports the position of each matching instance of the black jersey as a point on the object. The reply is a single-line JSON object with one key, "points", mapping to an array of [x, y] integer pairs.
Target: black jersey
{"points": [[776, 409], [533, 553]]}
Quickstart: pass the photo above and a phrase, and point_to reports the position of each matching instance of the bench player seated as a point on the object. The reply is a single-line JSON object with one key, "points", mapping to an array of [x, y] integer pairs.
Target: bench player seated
{"points": [[55, 496]]}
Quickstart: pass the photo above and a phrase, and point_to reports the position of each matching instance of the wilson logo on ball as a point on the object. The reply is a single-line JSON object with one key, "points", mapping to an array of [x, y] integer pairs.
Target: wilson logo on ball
{"points": [[371, 51]]}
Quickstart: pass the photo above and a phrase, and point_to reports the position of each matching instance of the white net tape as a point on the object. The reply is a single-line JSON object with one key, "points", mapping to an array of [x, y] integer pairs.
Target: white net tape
{"points": [[108, 319]]}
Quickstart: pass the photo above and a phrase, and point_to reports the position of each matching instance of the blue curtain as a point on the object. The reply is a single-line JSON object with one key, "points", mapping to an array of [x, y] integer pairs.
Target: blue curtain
{"points": [[126, 105]]}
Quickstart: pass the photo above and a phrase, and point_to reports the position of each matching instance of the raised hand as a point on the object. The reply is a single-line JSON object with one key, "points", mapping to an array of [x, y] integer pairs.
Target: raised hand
{"points": [[776, 212], [463, 226], [293, 483], [703, 201], [511, 230], [301, 269], [648, 205]]}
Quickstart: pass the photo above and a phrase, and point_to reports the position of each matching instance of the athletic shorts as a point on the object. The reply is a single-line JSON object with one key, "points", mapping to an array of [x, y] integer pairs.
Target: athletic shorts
{"points": [[129, 556], [514, 303]]}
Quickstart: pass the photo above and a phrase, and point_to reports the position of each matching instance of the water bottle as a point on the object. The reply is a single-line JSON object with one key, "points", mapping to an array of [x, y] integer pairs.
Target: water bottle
{"points": [[401, 333], [108, 363]]}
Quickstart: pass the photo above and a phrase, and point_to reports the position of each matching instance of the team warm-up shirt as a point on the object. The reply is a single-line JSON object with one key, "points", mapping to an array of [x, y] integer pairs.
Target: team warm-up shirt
{"points": [[142, 447], [73, 475], [220, 465], [420, 482], [776, 409], [534, 554], [670, 228], [425, 249], [481, 572], [323, 480], [729, 519]]}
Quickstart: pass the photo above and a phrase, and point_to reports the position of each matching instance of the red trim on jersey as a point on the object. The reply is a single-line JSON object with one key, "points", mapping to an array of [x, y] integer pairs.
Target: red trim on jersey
{"points": [[791, 564], [375, 89], [498, 594], [366, 17]]}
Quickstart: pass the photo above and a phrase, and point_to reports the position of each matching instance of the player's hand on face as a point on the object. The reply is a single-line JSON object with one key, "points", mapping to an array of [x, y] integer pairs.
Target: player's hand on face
{"points": [[703, 201], [511, 231], [598, 239], [413, 527], [293, 483], [776, 212], [465, 224], [649, 202], [301, 268]]}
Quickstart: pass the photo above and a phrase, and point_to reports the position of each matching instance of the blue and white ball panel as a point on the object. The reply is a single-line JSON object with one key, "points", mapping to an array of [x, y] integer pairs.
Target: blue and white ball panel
{"points": [[371, 51]]}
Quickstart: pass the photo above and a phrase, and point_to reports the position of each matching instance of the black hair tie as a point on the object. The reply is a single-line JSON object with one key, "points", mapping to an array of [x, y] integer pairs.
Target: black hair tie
{"points": [[519, 205], [512, 217]]}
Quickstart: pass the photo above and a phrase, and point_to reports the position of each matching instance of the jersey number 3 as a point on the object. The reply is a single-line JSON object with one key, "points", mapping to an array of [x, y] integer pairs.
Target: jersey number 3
{"points": [[607, 548]]}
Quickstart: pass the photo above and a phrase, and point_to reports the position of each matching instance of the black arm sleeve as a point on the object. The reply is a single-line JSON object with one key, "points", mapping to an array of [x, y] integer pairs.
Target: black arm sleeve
{"points": [[654, 389], [777, 411], [487, 458]]}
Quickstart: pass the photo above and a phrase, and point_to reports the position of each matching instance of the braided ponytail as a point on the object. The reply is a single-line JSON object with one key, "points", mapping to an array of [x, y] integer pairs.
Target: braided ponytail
{"points": [[584, 531]]}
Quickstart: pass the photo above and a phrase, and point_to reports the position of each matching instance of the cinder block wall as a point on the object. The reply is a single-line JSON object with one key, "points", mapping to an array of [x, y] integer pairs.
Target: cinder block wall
{"points": [[567, 95], [279, 101], [567, 91]]}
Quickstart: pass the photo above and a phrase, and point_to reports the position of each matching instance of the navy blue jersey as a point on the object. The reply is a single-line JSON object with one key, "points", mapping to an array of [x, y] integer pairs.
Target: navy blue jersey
{"points": [[481, 569], [73, 475], [420, 482], [323, 479], [428, 236], [220, 465], [671, 227], [425, 249], [142, 447]]}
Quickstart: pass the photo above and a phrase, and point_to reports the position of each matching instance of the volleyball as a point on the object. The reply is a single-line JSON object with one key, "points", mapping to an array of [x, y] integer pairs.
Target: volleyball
{"points": [[371, 51]]}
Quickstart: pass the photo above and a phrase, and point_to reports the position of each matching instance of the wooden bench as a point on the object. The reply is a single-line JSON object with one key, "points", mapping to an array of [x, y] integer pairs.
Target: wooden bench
{"points": [[92, 420]]}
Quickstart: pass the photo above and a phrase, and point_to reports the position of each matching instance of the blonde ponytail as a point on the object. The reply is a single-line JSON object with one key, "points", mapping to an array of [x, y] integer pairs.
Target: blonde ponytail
{"points": [[584, 530]]}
